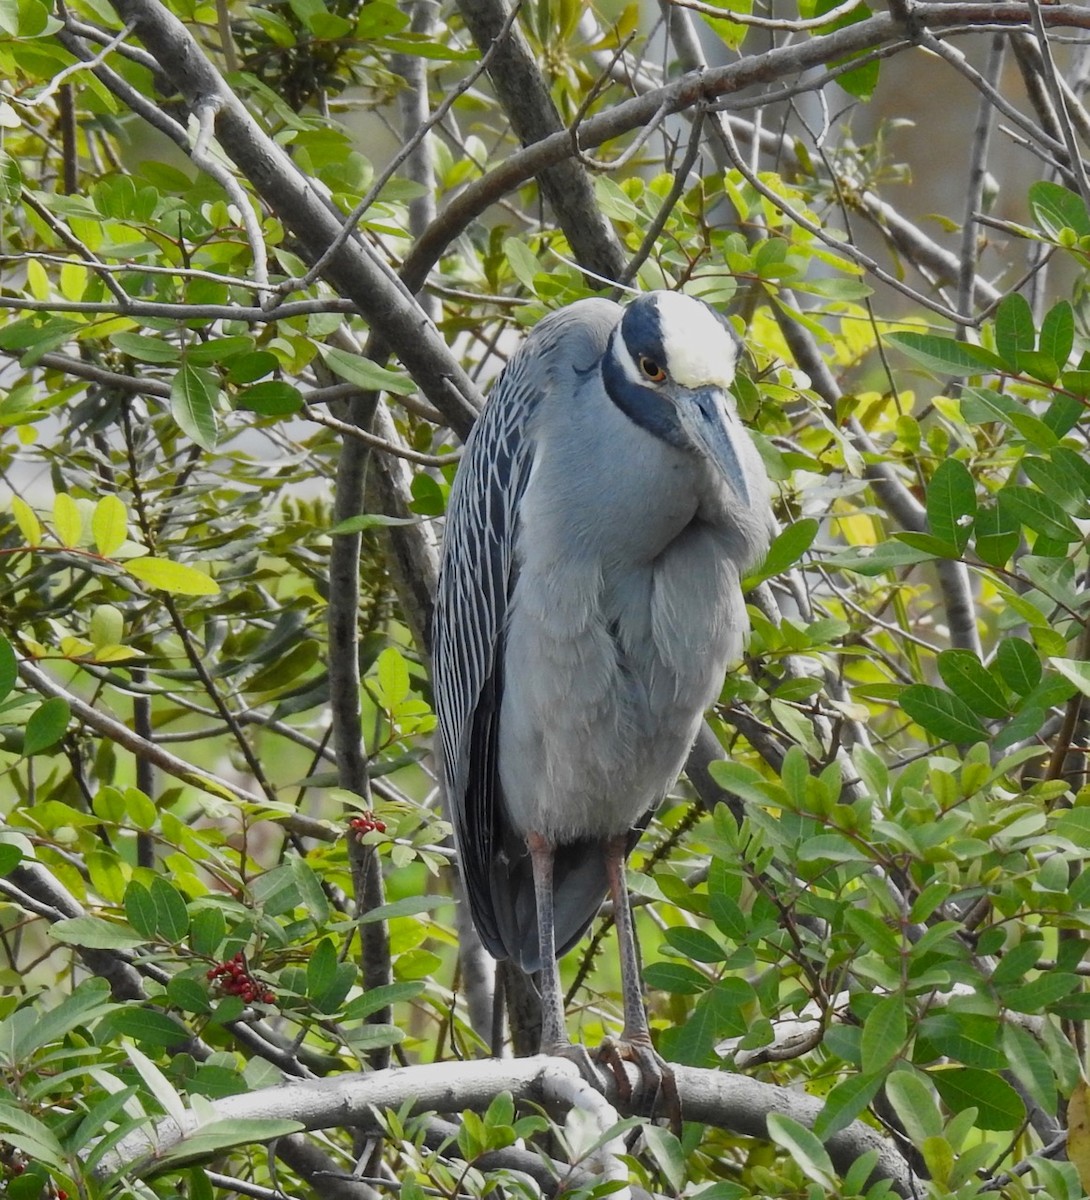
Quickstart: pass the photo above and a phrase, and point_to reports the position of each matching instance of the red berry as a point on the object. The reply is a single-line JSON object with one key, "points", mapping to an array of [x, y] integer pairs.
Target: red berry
{"points": [[62, 1194]]}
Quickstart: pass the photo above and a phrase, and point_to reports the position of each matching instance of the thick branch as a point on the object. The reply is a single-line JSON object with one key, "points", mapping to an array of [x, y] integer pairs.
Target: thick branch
{"points": [[713, 1097], [526, 100]]}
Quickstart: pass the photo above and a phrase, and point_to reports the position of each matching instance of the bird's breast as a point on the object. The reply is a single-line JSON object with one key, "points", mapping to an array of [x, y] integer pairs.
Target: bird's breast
{"points": [[609, 665]]}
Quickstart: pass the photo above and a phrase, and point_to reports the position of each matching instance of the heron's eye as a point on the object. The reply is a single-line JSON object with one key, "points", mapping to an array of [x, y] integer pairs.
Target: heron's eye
{"points": [[651, 369]]}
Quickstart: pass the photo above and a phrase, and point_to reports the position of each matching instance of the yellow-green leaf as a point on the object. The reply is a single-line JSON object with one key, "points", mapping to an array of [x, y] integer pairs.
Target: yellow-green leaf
{"points": [[172, 577], [1078, 1133], [364, 373], [107, 626], [67, 520], [29, 525], [110, 525]]}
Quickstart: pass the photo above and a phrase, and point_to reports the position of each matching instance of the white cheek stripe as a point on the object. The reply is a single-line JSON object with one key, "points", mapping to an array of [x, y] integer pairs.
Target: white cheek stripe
{"points": [[628, 365]]}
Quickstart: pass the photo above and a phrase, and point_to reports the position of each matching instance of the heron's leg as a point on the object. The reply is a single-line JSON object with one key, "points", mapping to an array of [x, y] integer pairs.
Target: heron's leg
{"points": [[634, 1044], [553, 1031], [635, 1015]]}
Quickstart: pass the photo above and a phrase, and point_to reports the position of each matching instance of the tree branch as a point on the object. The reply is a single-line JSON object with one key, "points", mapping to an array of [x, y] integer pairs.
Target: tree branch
{"points": [[728, 1101]]}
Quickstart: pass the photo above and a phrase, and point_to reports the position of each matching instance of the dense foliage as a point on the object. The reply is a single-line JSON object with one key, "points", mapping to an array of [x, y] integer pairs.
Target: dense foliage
{"points": [[226, 434]]}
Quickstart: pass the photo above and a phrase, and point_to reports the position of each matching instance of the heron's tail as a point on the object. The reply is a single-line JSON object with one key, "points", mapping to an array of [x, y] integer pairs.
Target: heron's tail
{"points": [[579, 887]]}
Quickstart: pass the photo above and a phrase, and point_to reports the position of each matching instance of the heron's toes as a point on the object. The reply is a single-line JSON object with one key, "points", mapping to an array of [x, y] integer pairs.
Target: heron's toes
{"points": [[656, 1091], [580, 1055]]}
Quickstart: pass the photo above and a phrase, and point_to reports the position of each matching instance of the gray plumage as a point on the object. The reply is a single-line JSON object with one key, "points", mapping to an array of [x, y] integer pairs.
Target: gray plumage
{"points": [[589, 600]]}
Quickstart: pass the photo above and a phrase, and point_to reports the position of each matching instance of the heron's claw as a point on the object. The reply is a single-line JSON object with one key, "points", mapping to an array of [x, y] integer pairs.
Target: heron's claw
{"points": [[657, 1089]]}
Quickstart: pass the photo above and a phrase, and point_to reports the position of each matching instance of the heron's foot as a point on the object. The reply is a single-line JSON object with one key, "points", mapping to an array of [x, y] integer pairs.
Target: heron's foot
{"points": [[576, 1053], [656, 1092]]}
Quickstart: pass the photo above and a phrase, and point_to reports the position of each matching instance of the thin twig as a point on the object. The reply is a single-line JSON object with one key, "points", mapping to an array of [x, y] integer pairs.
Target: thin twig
{"points": [[781, 23]]}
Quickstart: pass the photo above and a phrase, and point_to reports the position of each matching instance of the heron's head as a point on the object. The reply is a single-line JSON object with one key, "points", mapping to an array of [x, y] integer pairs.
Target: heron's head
{"points": [[668, 366]]}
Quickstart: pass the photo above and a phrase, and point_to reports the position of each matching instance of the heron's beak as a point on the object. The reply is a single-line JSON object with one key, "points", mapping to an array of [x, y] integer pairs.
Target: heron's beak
{"points": [[715, 431]]}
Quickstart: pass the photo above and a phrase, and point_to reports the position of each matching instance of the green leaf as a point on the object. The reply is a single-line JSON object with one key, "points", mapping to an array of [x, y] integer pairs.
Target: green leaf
{"points": [[946, 356], [1018, 665], [788, 547], [1030, 1065], [273, 398], [212, 1139], [1058, 333], [365, 1038], [193, 394], [1038, 512], [875, 934], [884, 1033], [159, 1086], [146, 349], [393, 677], [932, 546], [914, 1103], [173, 577], [364, 373], [877, 560], [140, 910], [967, 677], [366, 521], [321, 967], [695, 944], [109, 525], [35, 1139], [95, 934], [1055, 208], [997, 535], [676, 977], [845, 1102], [408, 906], [940, 713], [46, 725], [728, 917], [85, 1005], [9, 667], [805, 1149], [148, 1026], [666, 1150], [998, 1105], [1075, 670], [523, 263], [1014, 331], [692, 1043], [172, 915], [951, 503], [967, 1038], [1039, 993], [207, 929], [381, 997]]}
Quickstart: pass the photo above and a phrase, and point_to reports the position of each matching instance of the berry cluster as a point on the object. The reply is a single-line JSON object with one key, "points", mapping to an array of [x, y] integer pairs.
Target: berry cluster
{"points": [[234, 979], [365, 823]]}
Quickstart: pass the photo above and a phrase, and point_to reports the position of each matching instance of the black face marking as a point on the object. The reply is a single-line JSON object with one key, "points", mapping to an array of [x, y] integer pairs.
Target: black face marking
{"points": [[641, 329], [642, 403]]}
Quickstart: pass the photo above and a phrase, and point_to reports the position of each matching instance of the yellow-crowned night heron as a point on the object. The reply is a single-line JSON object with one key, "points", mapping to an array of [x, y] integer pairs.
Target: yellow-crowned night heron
{"points": [[607, 505]]}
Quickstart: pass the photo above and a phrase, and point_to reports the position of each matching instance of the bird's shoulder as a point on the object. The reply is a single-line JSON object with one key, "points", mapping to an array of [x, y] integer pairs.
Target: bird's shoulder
{"points": [[570, 340]]}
